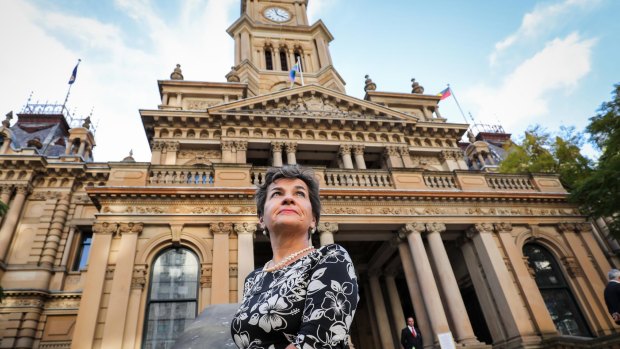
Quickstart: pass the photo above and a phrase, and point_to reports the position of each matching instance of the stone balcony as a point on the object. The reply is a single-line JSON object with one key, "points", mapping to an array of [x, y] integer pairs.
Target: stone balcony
{"points": [[241, 175]]}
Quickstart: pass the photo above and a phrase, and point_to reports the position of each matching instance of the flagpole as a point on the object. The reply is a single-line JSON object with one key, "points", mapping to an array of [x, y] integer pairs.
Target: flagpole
{"points": [[70, 84], [457, 104], [301, 70]]}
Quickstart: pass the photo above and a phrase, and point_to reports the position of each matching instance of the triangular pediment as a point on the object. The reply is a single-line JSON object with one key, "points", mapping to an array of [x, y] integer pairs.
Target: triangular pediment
{"points": [[312, 101]]}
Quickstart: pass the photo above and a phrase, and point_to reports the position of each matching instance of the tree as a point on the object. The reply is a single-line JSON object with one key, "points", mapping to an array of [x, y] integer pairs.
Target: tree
{"points": [[540, 152], [599, 192]]}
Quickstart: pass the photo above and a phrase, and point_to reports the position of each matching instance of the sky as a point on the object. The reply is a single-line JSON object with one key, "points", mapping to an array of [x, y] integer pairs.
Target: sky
{"points": [[509, 63]]}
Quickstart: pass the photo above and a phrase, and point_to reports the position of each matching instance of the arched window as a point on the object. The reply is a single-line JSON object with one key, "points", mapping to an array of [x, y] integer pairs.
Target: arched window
{"points": [[298, 58], [173, 297], [268, 59], [283, 60], [555, 292]]}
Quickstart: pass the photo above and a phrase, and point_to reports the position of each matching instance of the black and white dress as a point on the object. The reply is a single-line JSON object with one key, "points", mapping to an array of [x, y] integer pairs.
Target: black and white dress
{"points": [[309, 303]]}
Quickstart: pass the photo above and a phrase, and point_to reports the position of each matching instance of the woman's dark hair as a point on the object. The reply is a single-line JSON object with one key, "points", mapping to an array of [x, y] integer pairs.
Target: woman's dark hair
{"points": [[292, 172]]}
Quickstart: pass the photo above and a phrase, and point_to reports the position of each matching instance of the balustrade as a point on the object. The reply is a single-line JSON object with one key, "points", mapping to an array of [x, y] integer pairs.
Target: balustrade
{"points": [[440, 181], [509, 182], [181, 176]]}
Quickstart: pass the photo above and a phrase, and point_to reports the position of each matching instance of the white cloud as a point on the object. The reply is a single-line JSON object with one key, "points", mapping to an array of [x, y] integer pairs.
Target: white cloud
{"points": [[540, 20], [523, 97], [318, 7], [117, 77]]}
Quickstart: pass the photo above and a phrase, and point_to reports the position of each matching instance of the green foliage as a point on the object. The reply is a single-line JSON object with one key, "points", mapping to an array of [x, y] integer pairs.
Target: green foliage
{"points": [[540, 152], [599, 193], [3, 208]]}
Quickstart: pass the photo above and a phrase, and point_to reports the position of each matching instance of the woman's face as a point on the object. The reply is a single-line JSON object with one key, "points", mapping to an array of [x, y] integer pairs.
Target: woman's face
{"points": [[288, 207]]}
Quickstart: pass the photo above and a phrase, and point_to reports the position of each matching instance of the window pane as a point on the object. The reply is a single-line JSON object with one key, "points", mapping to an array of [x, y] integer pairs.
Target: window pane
{"points": [[564, 313], [81, 261], [543, 263], [173, 294]]}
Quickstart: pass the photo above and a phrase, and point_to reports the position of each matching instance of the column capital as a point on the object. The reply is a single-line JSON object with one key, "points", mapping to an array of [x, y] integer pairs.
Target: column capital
{"points": [[327, 227], [345, 149], [584, 227], [227, 145], [138, 279], [479, 228], [130, 228], [157, 145], [241, 145], [390, 150], [503, 227], [221, 228], [23, 188], [291, 147], [6, 189], [567, 227], [358, 149], [435, 227], [172, 146], [276, 146], [245, 228], [403, 151], [104, 228], [412, 228], [572, 266]]}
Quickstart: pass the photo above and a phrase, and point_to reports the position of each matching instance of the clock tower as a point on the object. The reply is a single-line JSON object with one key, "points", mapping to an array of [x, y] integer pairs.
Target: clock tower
{"points": [[270, 37]]}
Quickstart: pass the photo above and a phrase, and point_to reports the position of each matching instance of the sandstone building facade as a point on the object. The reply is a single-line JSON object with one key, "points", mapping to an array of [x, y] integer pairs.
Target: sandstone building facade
{"points": [[125, 254]]}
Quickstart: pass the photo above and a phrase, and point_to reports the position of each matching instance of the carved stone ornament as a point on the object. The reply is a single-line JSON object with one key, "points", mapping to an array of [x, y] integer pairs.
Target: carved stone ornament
{"points": [[172, 146], [413, 228], [403, 151], [104, 228], [327, 227], [245, 228], [291, 147], [140, 209], [222, 228], [138, 279], [416, 87], [157, 145], [358, 149], [341, 210], [276, 146], [345, 149], [130, 228], [205, 276], [368, 84], [227, 145], [177, 74], [435, 227], [572, 267], [584, 227], [390, 151], [567, 227], [241, 145], [484, 227], [503, 227]]}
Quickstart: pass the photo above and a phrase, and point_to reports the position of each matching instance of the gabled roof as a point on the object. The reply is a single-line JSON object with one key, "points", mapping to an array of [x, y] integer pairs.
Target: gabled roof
{"points": [[313, 101]]}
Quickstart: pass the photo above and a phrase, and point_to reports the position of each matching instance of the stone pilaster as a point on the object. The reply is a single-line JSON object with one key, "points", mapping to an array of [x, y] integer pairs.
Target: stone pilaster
{"points": [[11, 219], [220, 292], [245, 253], [242, 149], [50, 248], [404, 155], [392, 157]]}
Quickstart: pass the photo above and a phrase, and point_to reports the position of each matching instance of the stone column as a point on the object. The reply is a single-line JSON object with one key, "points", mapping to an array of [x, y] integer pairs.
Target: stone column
{"points": [[116, 315], [220, 292], [88, 313], [276, 150], [392, 157], [450, 288], [11, 218], [483, 293], [245, 254], [81, 148], [326, 232], [345, 153], [27, 331], [428, 286], [510, 306], [5, 193], [378, 303], [415, 293], [171, 153], [55, 232], [404, 155], [242, 148], [138, 281], [526, 283], [179, 99], [358, 151], [291, 148], [398, 318]]}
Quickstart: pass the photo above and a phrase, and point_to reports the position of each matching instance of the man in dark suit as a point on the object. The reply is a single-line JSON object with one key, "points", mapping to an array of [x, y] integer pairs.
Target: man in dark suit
{"points": [[410, 337], [612, 294]]}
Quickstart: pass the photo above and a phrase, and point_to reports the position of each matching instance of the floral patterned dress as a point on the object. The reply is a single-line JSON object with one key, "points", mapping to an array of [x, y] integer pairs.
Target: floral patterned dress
{"points": [[309, 303]]}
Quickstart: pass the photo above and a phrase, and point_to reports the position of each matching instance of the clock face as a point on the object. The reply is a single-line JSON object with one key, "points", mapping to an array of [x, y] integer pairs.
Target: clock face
{"points": [[277, 14]]}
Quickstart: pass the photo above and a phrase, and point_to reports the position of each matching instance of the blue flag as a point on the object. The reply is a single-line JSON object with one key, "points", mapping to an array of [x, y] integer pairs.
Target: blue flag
{"points": [[74, 74]]}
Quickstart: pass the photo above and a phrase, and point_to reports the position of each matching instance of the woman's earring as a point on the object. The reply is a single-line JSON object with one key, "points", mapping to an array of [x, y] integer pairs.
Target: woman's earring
{"points": [[312, 230], [265, 231]]}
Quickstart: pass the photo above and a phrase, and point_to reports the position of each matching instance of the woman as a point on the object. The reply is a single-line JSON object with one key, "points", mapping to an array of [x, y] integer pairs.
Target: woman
{"points": [[303, 297]]}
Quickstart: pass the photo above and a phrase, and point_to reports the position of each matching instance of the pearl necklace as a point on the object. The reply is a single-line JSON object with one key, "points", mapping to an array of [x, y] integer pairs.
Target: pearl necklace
{"points": [[286, 260]]}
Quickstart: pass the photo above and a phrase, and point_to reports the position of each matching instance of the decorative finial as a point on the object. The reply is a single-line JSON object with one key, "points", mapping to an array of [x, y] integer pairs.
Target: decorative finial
{"points": [[368, 84], [177, 74], [232, 75], [130, 157], [416, 87], [7, 122], [470, 136]]}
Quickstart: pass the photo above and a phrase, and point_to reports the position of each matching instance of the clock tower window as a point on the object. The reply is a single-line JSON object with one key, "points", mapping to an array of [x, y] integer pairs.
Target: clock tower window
{"points": [[299, 58], [283, 60], [268, 59]]}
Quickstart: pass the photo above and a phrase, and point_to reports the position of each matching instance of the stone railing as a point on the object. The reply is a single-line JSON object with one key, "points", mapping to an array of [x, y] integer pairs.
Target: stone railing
{"points": [[413, 179], [359, 179], [509, 182], [181, 176], [439, 180]]}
